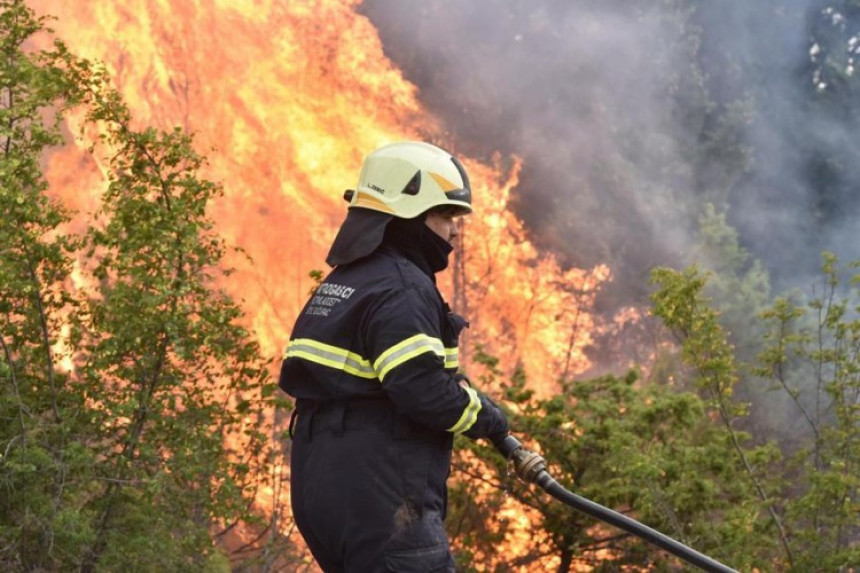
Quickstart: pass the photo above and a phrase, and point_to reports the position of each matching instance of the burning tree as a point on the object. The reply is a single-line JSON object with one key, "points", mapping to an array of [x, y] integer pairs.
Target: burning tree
{"points": [[133, 403]]}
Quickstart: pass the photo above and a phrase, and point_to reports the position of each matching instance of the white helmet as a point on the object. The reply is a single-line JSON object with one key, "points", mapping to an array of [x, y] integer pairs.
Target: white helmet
{"points": [[406, 179]]}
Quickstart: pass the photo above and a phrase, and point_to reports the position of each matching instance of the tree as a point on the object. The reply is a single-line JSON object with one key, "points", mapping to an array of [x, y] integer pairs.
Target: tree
{"points": [[738, 284], [39, 416], [175, 379], [672, 451], [150, 445], [680, 303], [644, 448], [830, 89], [813, 357]]}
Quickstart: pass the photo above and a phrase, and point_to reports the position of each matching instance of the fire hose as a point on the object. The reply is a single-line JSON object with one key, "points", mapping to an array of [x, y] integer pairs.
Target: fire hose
{"points": [[531, 468]]}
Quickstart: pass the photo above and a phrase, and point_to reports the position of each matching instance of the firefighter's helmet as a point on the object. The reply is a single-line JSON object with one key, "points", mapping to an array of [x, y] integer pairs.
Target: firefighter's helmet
{"points": [[408, 178]]}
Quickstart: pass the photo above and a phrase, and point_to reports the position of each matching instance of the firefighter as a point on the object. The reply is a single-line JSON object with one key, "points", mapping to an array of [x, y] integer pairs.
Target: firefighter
{"points": [[372, 363]]}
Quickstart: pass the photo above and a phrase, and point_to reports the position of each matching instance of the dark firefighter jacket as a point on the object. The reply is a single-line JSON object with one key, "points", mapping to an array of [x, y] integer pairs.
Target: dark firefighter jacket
{"points": [[376, 328]]}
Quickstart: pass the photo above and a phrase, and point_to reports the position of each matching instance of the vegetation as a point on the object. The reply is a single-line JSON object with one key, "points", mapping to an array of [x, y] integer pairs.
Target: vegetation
{"points": [[133, 404], [670, 448], [135, 409]]}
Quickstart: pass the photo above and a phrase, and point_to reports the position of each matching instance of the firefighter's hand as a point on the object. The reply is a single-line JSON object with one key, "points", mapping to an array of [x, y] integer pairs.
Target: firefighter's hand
{"points": [[491, 421], [506, 444]]}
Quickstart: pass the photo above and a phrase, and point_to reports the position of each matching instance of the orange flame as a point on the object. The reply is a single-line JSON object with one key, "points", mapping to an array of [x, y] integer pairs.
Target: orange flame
{"points": [[285, 98]]}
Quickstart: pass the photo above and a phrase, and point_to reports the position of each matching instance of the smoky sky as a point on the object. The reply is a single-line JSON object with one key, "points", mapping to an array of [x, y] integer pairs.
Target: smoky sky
{"points": [[630, 116]]}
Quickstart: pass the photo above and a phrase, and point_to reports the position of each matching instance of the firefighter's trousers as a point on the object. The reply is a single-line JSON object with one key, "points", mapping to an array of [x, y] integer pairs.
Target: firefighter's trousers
{"points": [[368, 488]]}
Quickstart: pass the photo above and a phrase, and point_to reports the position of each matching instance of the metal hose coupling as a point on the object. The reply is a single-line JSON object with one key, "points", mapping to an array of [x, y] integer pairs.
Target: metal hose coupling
{"points": [[528, 465]]}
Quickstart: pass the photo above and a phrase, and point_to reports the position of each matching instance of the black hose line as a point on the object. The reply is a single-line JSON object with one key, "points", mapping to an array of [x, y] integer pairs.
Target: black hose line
{"points": [[531, 467]]}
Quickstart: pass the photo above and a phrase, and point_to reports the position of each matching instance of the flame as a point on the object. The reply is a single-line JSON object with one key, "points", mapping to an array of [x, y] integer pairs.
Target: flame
{"points": [[285, 98], [522, 305]]}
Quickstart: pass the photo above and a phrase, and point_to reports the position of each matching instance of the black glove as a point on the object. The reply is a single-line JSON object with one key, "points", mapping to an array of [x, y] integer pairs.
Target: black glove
{"points": [[491, 423]]}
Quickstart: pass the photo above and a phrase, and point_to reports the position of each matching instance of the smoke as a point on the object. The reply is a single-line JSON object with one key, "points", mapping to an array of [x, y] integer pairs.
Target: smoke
{"points": [[630, 116]]}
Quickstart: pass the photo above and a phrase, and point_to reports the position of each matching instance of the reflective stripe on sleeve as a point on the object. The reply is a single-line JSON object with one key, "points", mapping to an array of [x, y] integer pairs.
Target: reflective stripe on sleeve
{"points": [[452, 358], [405, 350], [470, 413], [331, 356]]}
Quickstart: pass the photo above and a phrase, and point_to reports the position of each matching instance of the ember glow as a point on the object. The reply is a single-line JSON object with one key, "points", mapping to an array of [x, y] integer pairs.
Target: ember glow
{"points": [[285, 99]]}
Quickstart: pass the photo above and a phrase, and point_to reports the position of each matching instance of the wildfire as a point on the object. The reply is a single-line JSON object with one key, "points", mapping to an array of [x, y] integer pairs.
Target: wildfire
{"points": [[285, 98]]}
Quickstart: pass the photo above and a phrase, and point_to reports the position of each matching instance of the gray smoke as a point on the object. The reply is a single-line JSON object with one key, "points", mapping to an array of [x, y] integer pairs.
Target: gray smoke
{"points": [[630, 116]]}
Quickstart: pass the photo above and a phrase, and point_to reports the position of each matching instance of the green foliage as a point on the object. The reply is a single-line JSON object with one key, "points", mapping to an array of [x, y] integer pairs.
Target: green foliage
{"points": [[738, 281], [670, 451], [812, 353], [317, 277], [39, 419], [680, 303], [642, 448], [155, 442], [172, 371]]}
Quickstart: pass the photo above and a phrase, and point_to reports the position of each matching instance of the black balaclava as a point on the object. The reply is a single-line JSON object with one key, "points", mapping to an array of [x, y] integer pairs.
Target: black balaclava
{"points": [[418, 243]]}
